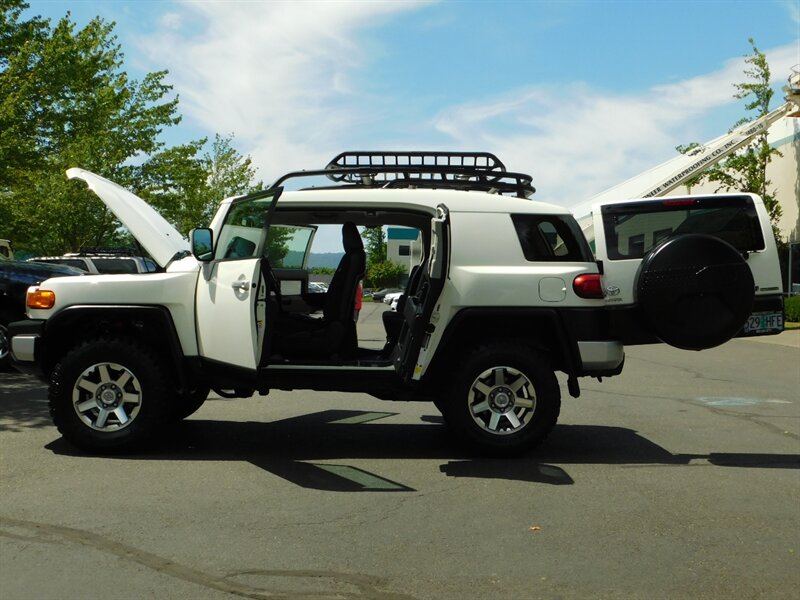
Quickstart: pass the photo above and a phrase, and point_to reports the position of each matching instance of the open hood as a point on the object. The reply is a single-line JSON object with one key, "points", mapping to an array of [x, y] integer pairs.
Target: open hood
{"points": [[149, 228]]}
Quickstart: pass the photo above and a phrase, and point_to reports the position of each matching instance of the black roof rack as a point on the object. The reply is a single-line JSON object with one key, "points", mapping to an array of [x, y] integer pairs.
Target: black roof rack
{"points": [[474, 171]]}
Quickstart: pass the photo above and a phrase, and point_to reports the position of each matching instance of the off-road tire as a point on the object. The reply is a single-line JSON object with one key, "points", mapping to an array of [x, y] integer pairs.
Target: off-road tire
{"points": [[494, 382], [119, 368]]}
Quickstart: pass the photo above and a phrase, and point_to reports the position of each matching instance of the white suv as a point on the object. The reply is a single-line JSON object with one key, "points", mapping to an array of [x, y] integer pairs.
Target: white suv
{"points": [[507, 291], [102, 260]]}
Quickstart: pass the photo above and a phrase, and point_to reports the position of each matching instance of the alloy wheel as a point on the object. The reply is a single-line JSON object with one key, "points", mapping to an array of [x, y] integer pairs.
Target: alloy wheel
{"points": [[502, 400], [107, 397]]}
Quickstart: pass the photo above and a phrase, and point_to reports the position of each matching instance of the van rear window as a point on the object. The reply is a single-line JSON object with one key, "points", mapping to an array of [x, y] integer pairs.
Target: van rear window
{"points": [[633, 229]]}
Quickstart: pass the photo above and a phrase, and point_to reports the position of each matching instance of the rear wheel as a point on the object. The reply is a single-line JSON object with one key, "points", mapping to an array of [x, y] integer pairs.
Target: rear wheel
{"points": [[108, 395], [504, 400]]}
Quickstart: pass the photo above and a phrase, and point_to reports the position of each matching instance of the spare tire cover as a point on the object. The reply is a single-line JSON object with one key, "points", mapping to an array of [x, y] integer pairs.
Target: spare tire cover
{"points": [[695, 291]]}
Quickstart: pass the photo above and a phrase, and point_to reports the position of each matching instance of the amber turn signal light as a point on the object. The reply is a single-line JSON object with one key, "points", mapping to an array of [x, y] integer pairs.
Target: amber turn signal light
{"points": [[37, 298]]}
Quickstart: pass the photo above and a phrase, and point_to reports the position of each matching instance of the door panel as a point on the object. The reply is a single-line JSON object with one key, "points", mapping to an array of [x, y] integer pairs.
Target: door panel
{"points": [[231, 312], [232, 293]]}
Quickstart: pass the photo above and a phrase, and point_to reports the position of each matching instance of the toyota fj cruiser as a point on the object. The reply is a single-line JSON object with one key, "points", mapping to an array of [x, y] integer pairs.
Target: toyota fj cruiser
{"points": [[507, 291]]}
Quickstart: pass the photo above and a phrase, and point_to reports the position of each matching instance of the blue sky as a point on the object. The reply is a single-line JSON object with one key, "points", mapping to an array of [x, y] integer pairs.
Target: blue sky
{"points": [[580, 94]]}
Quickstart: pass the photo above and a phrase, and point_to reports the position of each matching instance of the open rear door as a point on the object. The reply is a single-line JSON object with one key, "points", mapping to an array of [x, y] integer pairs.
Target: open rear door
{"points": [[692, 270], [419, 305]]}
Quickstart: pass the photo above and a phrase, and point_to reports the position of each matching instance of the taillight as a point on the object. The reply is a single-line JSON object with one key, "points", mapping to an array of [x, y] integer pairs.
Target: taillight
{"points": [[37, 298], [588, 285], [679, 202]]}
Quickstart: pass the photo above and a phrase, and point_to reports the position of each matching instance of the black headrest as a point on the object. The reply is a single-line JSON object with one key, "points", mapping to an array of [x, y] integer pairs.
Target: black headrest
{"points": [[351, 239]]}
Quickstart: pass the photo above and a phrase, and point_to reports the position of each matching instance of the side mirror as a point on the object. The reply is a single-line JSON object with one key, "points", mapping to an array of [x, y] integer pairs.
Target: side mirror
{"points": [[202, 243]]}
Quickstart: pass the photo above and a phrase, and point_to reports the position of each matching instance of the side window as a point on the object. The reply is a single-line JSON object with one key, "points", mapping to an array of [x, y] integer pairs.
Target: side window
{"points": [[77, 263], [288, 246], [243, 230], [632, 230], [551, 238], [115, 265]]}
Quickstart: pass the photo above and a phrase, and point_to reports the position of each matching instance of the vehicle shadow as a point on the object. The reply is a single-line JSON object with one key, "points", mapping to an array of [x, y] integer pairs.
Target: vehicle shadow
{"points": [[23, 402], [313, 450]]}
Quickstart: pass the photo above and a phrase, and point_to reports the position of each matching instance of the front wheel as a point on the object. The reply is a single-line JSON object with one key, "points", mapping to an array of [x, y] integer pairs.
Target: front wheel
{"points": [[108, 395], [504, 400]]}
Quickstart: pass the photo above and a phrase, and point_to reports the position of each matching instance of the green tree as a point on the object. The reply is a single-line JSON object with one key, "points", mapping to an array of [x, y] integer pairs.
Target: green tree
{"points": [[174, 182], [385, 274], [375, 247], [67, 102], [186, 187], [746, 170], [230, 173]]}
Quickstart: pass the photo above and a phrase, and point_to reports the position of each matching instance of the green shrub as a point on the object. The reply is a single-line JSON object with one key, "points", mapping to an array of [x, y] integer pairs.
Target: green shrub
{"points": [[792, 309], [385, 274]]}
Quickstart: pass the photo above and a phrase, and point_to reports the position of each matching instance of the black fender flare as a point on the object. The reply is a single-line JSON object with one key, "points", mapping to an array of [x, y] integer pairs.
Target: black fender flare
{"points": [[60, 332], [559, 342]]}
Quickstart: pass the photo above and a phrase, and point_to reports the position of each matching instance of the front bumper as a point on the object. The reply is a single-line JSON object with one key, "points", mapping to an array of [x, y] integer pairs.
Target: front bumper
{"points": [[26, 345]]}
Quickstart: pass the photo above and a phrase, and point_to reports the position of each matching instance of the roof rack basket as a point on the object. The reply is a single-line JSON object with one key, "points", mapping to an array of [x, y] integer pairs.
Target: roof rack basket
{"points": [[478, 171]]}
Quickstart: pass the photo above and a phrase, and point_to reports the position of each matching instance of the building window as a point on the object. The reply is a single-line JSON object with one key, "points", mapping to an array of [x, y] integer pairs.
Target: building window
{"points": [[404, 250]]}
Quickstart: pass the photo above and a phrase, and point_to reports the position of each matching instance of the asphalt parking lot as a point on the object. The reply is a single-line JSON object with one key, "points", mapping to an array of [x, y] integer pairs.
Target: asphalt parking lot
{"points": [[678, 479]]}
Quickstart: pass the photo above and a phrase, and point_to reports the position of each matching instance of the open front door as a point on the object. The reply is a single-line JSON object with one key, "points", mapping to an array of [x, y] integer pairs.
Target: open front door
{"points": [[232, 299], [419, 306], [692, 269]]}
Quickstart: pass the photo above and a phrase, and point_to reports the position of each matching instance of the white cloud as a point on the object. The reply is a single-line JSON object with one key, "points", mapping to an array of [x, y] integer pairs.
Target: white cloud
{"points": [[794, 10], [277, 74], [170, 21], [577, 141], [284, 78]]}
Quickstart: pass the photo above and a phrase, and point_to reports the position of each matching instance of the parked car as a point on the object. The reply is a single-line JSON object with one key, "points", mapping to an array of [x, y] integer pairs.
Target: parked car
{"points": [[103, 261], [15, 278], [392, 297], [6, 250], [381, 294]]}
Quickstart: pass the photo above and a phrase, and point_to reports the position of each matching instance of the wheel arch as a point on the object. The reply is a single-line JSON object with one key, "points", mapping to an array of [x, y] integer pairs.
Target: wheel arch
{"points": [[540, 329], [150, 325]]}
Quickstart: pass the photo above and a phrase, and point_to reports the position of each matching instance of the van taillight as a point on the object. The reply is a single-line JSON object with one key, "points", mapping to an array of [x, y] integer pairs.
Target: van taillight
{"points": [[679, 202], [588, 285]]}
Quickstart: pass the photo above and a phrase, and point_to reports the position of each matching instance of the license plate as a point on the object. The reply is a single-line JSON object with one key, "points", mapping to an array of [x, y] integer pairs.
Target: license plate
{"points": [[763, 322]]}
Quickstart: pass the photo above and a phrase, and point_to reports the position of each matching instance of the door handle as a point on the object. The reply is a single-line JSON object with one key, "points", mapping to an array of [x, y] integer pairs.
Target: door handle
{"points": [[242, 285]]}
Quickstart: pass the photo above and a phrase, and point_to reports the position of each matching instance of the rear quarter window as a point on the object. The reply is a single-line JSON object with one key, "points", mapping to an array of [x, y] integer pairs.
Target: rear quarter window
{"points": [[551, 238], [115, 265], [633, 229]]}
